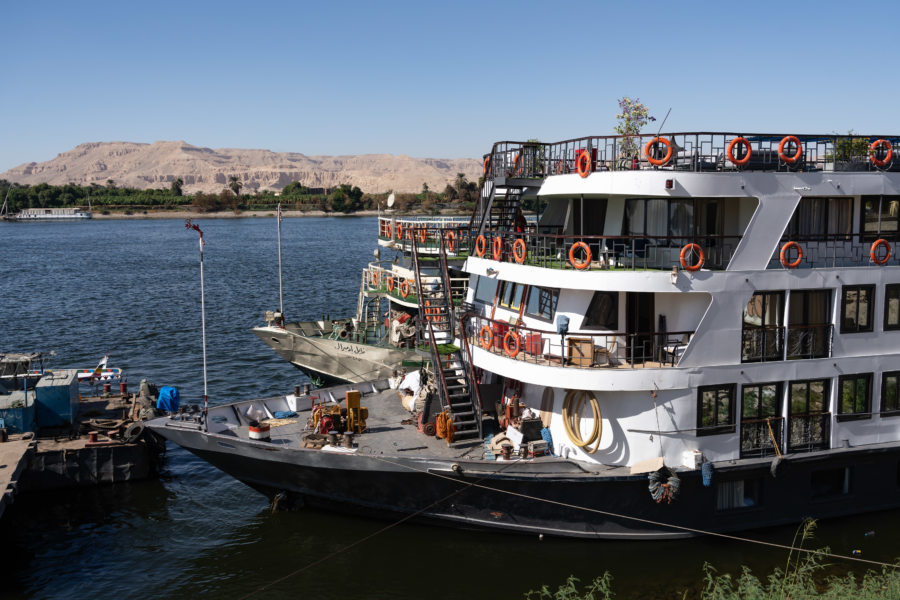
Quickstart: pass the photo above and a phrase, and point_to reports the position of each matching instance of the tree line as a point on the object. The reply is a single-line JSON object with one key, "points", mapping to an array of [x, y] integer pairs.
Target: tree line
{"points": [[460, 194]]}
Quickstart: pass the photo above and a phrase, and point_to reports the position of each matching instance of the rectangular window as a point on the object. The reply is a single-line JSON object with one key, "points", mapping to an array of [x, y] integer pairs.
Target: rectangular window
{"points": [[809, 324], [856, 397], [715, 409], [511, 295], [857, 303], [762, 426], [890, 393], [830, 483], [763, 333], [542, 302], [485, 290], [734, 495], [603, 312], [880, 217], [892, 306], [808, 415], [818, 218]]}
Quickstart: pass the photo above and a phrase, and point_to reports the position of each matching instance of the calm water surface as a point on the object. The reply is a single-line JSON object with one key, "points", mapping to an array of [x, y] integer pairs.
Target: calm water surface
{"points": [[131, 289]]}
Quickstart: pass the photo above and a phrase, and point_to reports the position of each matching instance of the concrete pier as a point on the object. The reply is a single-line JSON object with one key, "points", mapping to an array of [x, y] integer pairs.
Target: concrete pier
{"points": [[14, 457]]}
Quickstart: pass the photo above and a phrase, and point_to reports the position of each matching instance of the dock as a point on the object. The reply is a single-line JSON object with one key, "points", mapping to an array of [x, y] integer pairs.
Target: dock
{"points": [[14, 457]]}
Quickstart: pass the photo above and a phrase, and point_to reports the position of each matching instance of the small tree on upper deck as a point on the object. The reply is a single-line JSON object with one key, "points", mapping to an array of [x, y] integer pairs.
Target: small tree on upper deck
{"points": [[631, 118]]}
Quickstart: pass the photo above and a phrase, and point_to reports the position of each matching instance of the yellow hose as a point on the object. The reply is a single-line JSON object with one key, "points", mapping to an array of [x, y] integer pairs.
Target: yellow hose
{"points": [[571, 410]]}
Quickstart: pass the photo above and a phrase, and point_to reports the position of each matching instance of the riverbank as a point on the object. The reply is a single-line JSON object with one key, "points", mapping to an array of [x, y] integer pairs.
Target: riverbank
{"points": [[250, 214]]}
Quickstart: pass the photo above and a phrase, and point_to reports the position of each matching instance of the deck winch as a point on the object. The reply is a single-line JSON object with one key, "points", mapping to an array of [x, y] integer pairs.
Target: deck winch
{"points": [[332, 416]]}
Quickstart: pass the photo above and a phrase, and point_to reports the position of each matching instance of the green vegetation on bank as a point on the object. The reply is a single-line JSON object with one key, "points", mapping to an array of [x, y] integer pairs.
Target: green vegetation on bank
{"points": [[461, 194]]}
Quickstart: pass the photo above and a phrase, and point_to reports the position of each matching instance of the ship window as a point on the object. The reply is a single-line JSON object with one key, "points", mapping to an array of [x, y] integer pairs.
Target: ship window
{"points": [[762, 425], [763, 334], [809, 324], [880, 216], [855, 398], [819, 217], [857, 302], [542, 302], [485, 290], [892, 306], [603, 312], [830, 483], [743, 493], [715, 409], [890, 393], [511, 295]]}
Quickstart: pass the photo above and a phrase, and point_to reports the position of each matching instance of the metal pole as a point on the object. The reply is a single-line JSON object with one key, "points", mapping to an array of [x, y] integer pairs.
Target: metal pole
{"points": [[196, 228], [280, 292]]}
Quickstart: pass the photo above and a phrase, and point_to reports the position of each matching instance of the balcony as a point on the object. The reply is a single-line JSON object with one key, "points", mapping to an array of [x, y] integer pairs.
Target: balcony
{"points": [[429, 234], [765, 344], [831, 251], [693, 152], [577, 350], [759, 436], [808, 432]]}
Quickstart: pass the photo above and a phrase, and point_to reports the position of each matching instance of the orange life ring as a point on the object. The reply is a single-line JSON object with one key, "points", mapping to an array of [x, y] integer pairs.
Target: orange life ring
{"points": [[423, 235], [658, 161], [516, 164], [692, 248], [496, 248], [450, 240], [487, 337], [788, 158], [399, 231], [404, 288], [487, 165], [428, 310], [783, 255], [880, 162], [583, 163], [734, 142], [387, 231], [513, 351], [374, 278], [519, 251], [480, 246], [580, 265], [391, 283], [873, 253]]}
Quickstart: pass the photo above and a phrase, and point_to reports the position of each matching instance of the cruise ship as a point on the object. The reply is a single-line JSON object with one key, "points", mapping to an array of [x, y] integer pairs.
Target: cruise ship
{"points": [[700, 333]]}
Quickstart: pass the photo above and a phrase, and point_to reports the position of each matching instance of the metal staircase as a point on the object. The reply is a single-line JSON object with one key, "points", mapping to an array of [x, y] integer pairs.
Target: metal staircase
{"points": [[454, 377], [496, 209]]}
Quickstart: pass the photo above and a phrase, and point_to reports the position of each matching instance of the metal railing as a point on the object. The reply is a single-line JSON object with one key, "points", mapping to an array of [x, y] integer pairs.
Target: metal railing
{"points": [[377, 280], [591, 252], [846, 250], [762, 344], [809, 341], [430, 234], [759, 436], [807, 433], [694, 151], [576, 349]]}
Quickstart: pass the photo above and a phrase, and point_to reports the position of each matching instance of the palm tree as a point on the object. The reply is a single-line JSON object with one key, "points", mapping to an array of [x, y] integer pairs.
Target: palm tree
{"points": [[234, 182], [460, 183], [177, 184]]}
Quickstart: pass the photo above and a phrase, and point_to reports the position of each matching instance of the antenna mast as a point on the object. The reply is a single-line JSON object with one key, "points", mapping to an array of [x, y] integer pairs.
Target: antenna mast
{"points": [[196, 228]]}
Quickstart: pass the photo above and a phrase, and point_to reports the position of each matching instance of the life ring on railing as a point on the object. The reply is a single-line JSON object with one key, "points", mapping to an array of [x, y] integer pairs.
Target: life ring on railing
{"points": [[746, 144], [399, 231], [873, 149], [450, 241], [692, 248], [404, 288], [512, 349], [580, 265], [784, 251], [486, 336], [583, 163], [571, 411], [516, 164], [423, 235], [873, 253], [655, 143], [391, 283], [790, 158], [480, 246], [519, 251], [496, 248], [387, 231], [374, 278], [487, 165]]}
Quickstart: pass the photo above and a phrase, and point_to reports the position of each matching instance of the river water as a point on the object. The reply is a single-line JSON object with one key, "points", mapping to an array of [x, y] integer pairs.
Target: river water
{"points": [[131, 289]]}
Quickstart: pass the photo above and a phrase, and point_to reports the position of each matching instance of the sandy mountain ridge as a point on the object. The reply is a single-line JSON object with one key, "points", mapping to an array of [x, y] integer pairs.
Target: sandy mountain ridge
{"points": [[156, 165]]}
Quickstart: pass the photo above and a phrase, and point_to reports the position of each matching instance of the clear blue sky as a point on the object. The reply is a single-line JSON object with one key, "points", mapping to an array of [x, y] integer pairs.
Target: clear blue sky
{"points": [[433, 79]]}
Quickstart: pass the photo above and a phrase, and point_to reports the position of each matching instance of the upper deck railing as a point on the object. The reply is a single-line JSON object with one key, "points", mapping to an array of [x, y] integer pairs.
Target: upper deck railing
{"points": [[695, 151]]}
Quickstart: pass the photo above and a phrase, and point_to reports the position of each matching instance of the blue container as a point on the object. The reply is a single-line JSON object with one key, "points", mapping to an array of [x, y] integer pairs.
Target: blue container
{"points": [[56, 401], [17, 411]]}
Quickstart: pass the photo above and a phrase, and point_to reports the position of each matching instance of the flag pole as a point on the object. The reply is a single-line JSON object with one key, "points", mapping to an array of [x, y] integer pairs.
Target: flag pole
{"points": [[196, 228], [280, 293]]}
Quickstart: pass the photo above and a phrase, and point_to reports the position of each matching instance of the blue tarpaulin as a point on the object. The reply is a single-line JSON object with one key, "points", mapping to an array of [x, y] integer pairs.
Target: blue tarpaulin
{"points": [[168, 399]]}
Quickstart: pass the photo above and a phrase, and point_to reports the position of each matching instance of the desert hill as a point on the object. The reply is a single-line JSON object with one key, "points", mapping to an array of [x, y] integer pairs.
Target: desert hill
{"points": [[156, 165]]}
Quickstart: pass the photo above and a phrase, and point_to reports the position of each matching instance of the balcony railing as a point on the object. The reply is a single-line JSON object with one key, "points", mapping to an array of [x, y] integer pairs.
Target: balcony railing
{"points": [[592, 252], [759, 436], [834, 251], [807, 433], [809, 341], [761, 344], [428, 234], [578, 349], [377, 280], [694, 151]]}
